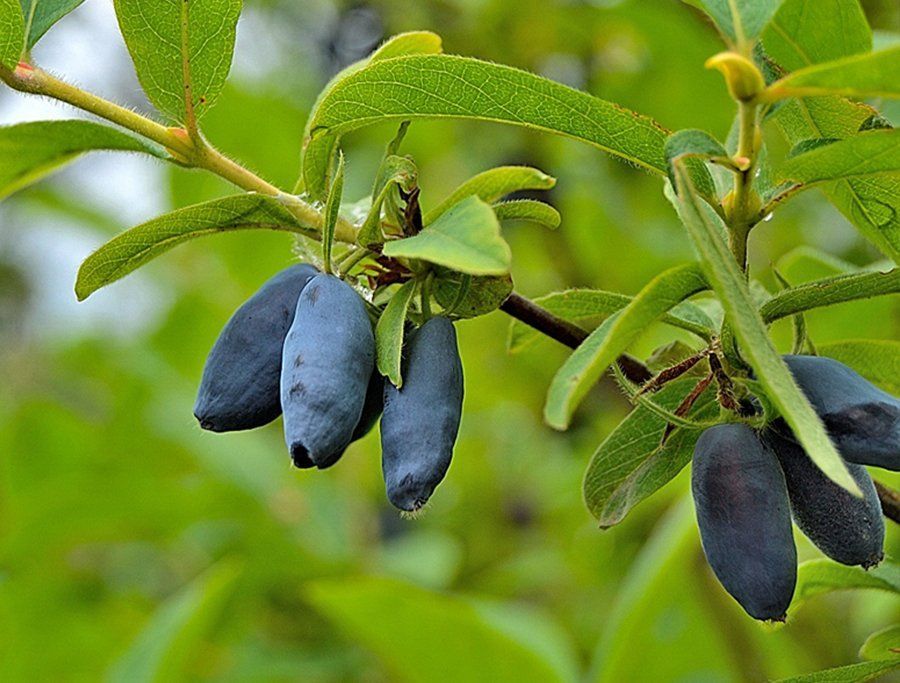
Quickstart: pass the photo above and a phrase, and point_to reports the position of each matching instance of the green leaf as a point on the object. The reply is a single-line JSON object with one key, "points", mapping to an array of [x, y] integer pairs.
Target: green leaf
{"points": [[181, 50], [806, 32], [589, 307], [630, 464], [867, 75], [30, 151], [12, 32], [878, 360], [332, 211], [829, 291], [395, 171], [133, 248], [740, 21], [820, 576], [854, 673], [445, 86], [461, 643], [696, 146], [588, 362], [859, 156], [883, 645], [528, 210], [492, 185], [705, 228], [42, 14], [177, 629], [464, 296], [466, 238], [389, 333], [318, 150]]}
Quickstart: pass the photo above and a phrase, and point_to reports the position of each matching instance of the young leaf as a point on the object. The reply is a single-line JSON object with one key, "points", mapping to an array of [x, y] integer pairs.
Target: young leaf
{"points": [[697, 146], [332, 211], [492, 185], [386, 616], [588, 307], [131, 249], [12, 32], [465, 296], [394, 171], [181, 50], [726, 278], [177, 629], [389, 334], [445, 86], [859, 156], [630, 464], [820, 576], [878, 360], [829, 291], [40, 15], [30, 151], [883, 645], [853, 673], [868, 75], [528, 210], [588, 362], [466, 238], [318, 150], [740, 21]]}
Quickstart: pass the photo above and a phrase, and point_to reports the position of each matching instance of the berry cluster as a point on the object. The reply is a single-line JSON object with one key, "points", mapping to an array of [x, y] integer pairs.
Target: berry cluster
{"points": [[747, 485], [303, 346]]}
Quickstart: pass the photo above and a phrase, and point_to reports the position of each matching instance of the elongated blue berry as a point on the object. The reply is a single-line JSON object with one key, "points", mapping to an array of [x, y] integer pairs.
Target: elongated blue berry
{"points": [[862, 420], [328, 359], [847, 529], [744, 519], [239, 388], [421, 420]]}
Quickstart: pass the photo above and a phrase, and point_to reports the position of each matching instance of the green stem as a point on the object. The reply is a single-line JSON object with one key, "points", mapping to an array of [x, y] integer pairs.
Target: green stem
{"points": [[186, 150], [745, 201]]}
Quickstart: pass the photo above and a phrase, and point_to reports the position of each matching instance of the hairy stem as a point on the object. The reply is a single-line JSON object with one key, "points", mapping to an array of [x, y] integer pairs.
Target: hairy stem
{"points": [[187, 150], [744, 204]]}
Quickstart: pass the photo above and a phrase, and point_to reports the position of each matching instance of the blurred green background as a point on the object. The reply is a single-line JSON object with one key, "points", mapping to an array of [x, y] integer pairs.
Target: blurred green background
{"points": [[134, 546]]}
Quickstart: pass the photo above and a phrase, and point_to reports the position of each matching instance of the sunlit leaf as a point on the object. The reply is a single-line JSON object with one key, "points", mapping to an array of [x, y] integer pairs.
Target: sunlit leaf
{"points": [[318, 151], [133, 248], [867, 75], [817, 577], [31, 151], [445, 86], [40, 15], [466, 238], [588, 362], [425, 636], [726, 278], [389, 334], [181, 50], [740, 21], [528, 210], [12, 32], [492, 185]]}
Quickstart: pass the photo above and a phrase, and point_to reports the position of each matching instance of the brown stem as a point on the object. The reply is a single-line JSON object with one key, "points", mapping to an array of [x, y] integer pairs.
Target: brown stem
{"points": [[566, 333], [890, 501]]}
